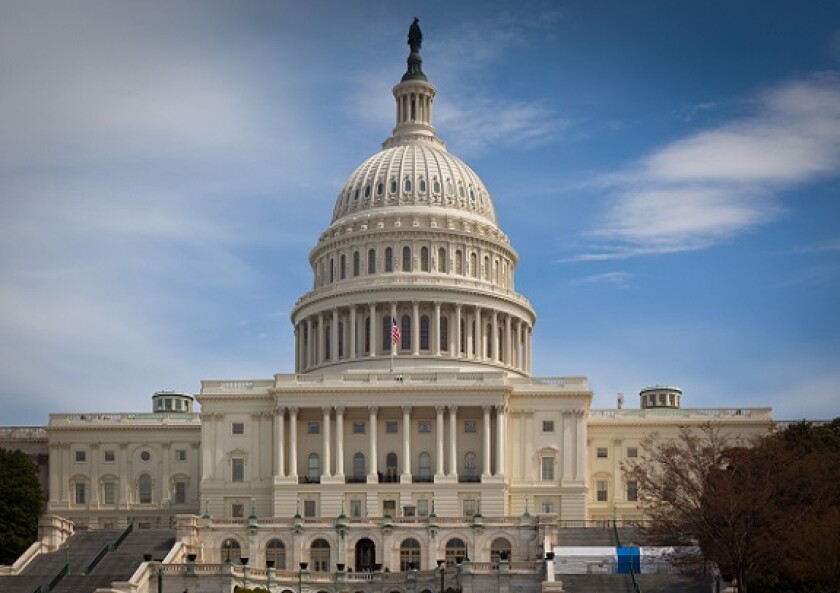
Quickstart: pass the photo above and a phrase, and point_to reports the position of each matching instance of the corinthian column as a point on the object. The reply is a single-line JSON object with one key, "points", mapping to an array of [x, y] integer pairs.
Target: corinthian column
{"points": [[453, 441]]}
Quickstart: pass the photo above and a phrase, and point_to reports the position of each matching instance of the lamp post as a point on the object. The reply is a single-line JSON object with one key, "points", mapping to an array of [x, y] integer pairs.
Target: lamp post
{"points": [[303, 566], [442, 569], [244, 561]]}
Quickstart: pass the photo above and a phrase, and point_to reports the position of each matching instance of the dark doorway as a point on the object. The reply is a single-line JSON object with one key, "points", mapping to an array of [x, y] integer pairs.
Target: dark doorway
{"points": [[365, 555]]}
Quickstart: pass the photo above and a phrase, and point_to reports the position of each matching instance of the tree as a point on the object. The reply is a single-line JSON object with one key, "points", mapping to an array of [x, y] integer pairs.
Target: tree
{"points": [[21, 502]]}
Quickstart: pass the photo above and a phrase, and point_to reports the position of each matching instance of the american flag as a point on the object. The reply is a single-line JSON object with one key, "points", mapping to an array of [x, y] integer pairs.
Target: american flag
{"points": [[396, 336]]}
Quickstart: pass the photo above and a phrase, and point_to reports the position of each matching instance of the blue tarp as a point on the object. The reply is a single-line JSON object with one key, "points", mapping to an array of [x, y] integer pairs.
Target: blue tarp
{"points": [[626, 556]]}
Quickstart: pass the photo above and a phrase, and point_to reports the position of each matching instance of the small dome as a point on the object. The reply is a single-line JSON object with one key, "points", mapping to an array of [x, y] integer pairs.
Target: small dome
{"points": [[414, 174]]}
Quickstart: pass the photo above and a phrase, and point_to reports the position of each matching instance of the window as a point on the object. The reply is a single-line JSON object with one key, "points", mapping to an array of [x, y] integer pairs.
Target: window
{"points": [[391, 427], [436, 186], [144, 487], [359, 466], [632, 490], [275, 554], [407, 182], [632, 452], [342, 267], [309, 508], [547, 468], [499, 550], [237, 469], [473, 265], [601, 452], [422, 185], [357, 264], [313, 467], [180, 492], [424, 332], [393, 186], [441, 261], [340, 339], [406, 259], [389, 507], [80, 491], [389, 259], [145, 456], [180, 454], [355, 508], [332, 270], [444, 334], [547, 507], [424, 426], [327, 342], [371, 261], [424, 259], [391, 467], [313, 428], [456, 550], [422, 507], [237, 428], [109, 492], [380, 187], [548, 425], [320, 553], [409, 554], [601, 491], [425, 466], [405, 342], [470, 464], [367, 191], [470, 426], [110, 456], [358, 427], [231, 550], [81, 456]]}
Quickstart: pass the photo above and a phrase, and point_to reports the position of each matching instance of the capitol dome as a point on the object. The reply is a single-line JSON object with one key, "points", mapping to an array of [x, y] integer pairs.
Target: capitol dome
{"points": [[413, 270]]}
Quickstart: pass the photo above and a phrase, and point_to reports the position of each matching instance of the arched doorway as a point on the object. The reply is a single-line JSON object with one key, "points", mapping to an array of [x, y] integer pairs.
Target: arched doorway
{"points": [[365, 555]]}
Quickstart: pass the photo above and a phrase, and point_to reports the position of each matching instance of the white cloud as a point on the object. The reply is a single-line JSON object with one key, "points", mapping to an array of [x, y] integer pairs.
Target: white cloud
{"points": [[619, 279], [716, 183]]}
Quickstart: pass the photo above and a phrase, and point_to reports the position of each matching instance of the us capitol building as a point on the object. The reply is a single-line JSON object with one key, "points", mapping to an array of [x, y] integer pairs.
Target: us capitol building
{"points": [[412, 430]]}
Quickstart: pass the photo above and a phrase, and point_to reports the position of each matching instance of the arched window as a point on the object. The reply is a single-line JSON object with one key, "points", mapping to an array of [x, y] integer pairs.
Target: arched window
{"points": [[356, 263], [421, 185], [367, 191], [371, 261], [456, 550], [275, 551], [489, 348], [367, 334], [470, 464], [144, 489], [444, 334], [327, 342], [499, 550], [313, 471], [343, 270], [340, 339], [359, 466], [424, 259], [424, 332], [405, 342], [486, 268], [380, 187], [406, 259], [436, 186], [231, 550], [409, 554], [389, 259], [393, 186], [473, 265], [425, 466], [386, 334], [320, 555], [332, 270], [391, 469], [407, 182], [441, 262], [459, 263]]}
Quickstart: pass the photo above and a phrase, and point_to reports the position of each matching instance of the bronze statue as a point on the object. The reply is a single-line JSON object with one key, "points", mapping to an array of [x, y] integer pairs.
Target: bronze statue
{"points": [[415, 36]]}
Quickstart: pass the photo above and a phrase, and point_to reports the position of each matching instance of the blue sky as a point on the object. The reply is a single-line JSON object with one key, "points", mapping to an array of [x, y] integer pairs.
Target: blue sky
{"points": [[668, 172]]}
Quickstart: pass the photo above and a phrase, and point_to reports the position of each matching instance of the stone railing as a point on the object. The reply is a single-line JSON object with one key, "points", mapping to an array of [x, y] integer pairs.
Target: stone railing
{"points": [[22, 433], [126, 418], [733, 413]]}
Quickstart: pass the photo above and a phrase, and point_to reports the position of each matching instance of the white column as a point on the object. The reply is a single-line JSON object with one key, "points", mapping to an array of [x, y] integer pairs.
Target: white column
{"points": [[321, 339], [94, 472], [373, 476], [394, 347], [374, 335], [468, 327], [339, 442], [530, 349], [580, 450], [457, 350], [415, 328], [166, 454], [293, 442], [436, 332], [453, 441], [325, 432], [439, 435], [508, 338], [279, 452], [297, 347], [352, 332], [310, 341], [567, 472], [406, 430], [334, 340], [500, 440], [485, 472], [494, 347], [479, 335]]}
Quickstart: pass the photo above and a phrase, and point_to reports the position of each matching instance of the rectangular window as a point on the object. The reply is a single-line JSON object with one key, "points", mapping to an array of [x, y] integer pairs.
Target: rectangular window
{"points": [[110, 456], [391, 427], [355, 508], [389, 507], [109, 492], [470, 507], [309, 508], [548, 425], [601, 452], [237, 469], [547, 507], [81, 456], [424, 426], [314, 428], [180, 454], [409, 510], [81, 493], [601, 491], [632, 490], [180, 492], [632, 452], [470, 426], [548, 468], [237, 510], [358, 427], [422, 507], [237, 428]]}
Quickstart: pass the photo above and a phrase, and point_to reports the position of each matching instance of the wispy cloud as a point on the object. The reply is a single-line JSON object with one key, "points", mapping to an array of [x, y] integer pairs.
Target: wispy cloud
{"points": [[827, 247], [619, 279], [709, 186]]}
